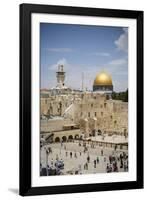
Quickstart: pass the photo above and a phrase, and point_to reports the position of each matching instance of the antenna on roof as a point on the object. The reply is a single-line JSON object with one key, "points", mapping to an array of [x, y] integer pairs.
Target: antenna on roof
{"points": [[82, 81]]}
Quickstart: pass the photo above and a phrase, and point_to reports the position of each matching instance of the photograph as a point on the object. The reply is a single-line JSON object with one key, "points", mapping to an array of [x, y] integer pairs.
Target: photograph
{"points": [[83, 99]]}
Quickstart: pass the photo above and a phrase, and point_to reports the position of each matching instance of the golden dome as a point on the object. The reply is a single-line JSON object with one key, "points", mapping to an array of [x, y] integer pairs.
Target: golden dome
{"points": [[103, 79]]}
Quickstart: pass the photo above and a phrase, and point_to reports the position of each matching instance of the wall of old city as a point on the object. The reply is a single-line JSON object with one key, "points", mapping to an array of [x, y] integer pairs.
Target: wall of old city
{"points": [[91, 111]]}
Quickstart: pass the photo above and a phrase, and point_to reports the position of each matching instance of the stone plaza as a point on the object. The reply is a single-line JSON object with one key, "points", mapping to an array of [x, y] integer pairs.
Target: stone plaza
{"points": [[75, 164]]}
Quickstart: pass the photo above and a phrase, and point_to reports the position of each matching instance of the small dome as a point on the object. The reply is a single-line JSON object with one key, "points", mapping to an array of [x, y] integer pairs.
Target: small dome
{"points": [[103, 78]]}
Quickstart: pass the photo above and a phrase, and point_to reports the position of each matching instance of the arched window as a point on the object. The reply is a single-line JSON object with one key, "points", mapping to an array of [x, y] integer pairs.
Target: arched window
{"points": [[99, 132], [70, 137], [64, 139], [76, 136], [57, 139]]}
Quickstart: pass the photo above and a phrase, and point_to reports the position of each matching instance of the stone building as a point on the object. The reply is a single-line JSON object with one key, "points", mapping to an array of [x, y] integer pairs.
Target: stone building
{"points": [[68, 114]]}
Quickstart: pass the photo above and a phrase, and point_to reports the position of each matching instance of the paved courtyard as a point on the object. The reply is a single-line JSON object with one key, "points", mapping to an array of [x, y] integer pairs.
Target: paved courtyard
{"points": [[62, 151]]}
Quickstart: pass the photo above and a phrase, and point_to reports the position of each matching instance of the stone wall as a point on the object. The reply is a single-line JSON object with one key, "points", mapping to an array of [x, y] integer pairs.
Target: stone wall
{"points": [[91, 111]]}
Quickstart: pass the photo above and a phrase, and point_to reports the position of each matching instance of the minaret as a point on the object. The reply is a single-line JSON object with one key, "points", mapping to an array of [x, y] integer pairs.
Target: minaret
{"points": [[60, 74]]}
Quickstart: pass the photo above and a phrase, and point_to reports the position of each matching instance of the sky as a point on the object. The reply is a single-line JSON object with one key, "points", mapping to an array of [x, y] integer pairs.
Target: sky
{"points": [[83, 49]]}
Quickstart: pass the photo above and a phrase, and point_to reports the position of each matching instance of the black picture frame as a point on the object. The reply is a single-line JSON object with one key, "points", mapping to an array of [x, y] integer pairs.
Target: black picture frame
{"points": [[25, 187]]}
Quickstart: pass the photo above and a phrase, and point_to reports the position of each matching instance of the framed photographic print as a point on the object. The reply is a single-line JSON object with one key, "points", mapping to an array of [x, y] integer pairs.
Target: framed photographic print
{"points": [[81, 99]]}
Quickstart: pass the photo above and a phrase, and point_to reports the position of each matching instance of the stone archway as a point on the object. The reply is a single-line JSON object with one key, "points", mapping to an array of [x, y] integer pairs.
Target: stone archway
{"points": [[64, 138], [77, 136], [99, 132], [93, 132], [70, 137], [57, 139]]}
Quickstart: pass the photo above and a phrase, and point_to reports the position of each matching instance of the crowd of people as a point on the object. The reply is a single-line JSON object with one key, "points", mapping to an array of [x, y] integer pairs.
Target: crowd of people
{"points": [[114, 162]]}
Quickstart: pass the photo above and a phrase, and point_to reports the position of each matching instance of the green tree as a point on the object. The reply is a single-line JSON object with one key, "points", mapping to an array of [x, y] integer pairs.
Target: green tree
{"points": [[120, 96]]}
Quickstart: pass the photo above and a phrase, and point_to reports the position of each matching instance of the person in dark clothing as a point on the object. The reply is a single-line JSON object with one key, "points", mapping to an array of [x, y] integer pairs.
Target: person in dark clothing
{"points": [[88, 159], [102, 152], [94, 163], [70, 154], [97, 160]]}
